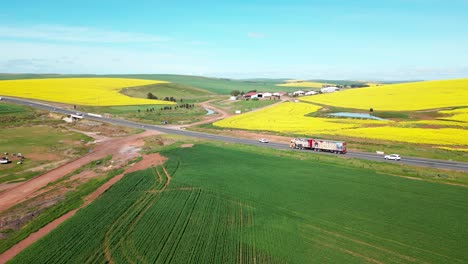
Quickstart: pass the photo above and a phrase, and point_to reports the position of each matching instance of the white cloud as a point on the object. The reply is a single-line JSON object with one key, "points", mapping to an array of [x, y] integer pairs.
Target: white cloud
{"points": [[255, 35], [76, 34]]}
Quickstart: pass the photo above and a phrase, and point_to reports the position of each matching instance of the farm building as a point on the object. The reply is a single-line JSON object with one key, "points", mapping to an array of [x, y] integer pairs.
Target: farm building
{"points": [[278, 94], [329, 89], [265, 95], [298, 93], [250, 95], [311, 93]]}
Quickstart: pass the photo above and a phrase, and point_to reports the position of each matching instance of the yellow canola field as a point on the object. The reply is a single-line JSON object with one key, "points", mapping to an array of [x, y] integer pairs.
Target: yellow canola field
{"points": [[435, 122], [290, 118], [455, 149], [79, 91], [442, 136], [460, 115], [398, 97], [302, 84]]}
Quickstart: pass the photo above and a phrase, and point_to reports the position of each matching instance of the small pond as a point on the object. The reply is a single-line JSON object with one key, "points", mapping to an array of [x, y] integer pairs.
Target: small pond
{"points": [[209, 111], [356, 115]]}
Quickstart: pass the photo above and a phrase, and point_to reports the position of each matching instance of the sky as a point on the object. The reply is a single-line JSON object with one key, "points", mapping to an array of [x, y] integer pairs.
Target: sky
{"points": [[326, 39]]}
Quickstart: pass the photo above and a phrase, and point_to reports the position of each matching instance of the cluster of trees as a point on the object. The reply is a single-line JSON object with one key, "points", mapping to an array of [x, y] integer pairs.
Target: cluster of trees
{"points": [[361, 85], [187, 106], [147, 110], [170, 99], [237, 92]]}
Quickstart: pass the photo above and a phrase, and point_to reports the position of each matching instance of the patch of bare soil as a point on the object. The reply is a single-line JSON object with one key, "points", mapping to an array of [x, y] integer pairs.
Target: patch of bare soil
{"points": [[186, 145], [6, 186], [101, 129], [154, 159], [44, 156]]}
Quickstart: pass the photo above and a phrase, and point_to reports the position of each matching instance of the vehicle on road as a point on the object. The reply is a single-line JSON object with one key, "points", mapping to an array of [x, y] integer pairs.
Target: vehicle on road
{"points": [[263, 140], [392, 157], [319, 145]]}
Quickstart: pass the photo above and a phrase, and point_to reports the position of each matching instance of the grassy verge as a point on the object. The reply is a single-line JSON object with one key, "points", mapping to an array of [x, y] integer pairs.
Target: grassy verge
{"points": [[40, 145]]}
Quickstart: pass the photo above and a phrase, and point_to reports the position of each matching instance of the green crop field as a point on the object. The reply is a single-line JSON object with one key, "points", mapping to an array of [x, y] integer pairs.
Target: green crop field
{"points": [[178, 91], [229, 204]]}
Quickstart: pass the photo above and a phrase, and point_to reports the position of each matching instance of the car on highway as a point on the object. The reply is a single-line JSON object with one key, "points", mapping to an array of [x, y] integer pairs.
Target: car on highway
{"points": [[392, 157], [263, 140]]}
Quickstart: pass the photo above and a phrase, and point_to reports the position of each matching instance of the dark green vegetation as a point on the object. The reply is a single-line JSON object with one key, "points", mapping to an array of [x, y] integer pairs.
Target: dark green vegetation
{"points": [[228, 204], [151, 114], [178, 91]]}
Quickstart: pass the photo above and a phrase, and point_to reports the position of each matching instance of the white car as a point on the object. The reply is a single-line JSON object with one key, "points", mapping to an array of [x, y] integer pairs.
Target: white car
{"points": [[392, 157], [263, 140]]}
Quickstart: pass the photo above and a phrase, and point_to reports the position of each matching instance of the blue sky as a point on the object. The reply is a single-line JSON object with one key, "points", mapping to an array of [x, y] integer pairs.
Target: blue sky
{"points": [[334, 39]]}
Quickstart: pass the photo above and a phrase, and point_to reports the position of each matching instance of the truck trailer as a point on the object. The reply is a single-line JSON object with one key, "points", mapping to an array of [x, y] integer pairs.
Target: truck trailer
{"points": [[319, 145]]}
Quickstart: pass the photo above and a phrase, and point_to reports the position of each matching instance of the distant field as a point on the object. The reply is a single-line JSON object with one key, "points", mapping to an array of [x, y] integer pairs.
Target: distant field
{"points": [[398, 97], [213, 85], [242, 105], [302, 84], [79, 91], [255, 208], [161, 90], [216, 85]]}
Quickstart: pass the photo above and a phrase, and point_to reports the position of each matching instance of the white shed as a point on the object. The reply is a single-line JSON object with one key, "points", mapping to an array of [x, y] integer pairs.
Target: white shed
{"points": [[299, 93], [329, 89], [311, 93]]}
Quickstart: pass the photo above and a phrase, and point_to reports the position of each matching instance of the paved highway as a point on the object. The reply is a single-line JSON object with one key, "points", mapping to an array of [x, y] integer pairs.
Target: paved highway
{"points": [[441, 164]]}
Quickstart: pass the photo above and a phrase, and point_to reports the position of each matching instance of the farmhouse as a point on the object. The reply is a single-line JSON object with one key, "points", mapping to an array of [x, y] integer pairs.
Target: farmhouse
{"points": [[329, 89]]}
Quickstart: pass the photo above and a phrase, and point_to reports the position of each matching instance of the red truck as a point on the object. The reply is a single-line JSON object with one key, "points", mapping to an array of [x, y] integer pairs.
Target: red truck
{"points": [[319, 145]]}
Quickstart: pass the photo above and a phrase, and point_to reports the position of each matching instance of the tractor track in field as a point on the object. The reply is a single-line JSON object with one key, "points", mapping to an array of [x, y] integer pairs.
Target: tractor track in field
{"points": [[141, 206]]}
